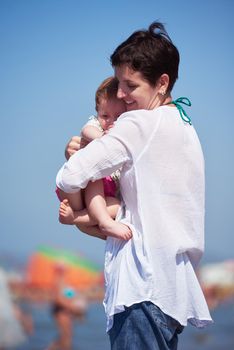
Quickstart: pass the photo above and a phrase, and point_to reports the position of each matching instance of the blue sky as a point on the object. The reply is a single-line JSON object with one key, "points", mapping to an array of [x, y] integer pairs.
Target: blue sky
{"points": [[54, 54]]}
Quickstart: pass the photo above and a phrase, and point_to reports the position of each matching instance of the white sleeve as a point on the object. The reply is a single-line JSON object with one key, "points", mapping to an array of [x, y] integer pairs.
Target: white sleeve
{"points": [[100, 157], [93, 121]]}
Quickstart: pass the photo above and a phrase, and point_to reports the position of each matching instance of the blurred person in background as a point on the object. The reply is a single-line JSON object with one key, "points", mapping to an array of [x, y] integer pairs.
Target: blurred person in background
{"points": [[15, 325], [67, 306]]}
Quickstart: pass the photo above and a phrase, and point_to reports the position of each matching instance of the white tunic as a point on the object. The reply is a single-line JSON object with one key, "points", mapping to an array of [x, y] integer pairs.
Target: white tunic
{"points": [[162, 185]]}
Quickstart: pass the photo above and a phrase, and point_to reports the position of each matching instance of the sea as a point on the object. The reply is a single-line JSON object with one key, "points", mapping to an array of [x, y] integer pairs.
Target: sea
{"points": [[90, 334]]}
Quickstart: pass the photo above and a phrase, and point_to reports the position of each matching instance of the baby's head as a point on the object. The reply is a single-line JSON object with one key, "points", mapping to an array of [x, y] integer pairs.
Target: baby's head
{"points": [[108, 106]]}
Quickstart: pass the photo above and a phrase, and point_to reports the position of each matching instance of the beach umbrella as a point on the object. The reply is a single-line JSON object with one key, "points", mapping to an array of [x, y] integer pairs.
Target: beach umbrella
{"points": [[79, 271]]}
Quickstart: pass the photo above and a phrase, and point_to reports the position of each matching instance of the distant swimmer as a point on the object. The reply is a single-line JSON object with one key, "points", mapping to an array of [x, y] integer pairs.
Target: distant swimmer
{"points": [[67, 305]]}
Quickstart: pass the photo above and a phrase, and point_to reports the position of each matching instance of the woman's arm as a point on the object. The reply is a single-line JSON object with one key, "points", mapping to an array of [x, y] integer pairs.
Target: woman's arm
{"points": [[98, 159], [93, 231], [101, 157], [88, 134]]}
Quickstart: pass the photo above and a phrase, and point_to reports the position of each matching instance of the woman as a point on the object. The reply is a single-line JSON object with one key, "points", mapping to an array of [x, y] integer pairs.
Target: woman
{"points": [[151, 288]]}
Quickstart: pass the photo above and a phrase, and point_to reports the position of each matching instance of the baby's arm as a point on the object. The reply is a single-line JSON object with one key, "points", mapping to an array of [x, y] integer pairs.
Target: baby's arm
{"points": [[90, 132]]}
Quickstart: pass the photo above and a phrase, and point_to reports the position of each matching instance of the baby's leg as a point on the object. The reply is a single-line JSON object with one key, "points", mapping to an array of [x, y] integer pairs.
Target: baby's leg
{"points": [[75, 199], [97, 208], [82, 218]]}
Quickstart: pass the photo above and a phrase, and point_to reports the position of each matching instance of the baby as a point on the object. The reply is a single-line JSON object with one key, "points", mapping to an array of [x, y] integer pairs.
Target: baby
{"points": [[93, 209]]}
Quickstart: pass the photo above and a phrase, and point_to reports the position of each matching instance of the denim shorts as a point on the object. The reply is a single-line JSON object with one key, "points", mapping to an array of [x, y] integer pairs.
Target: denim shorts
{"points": [[144, 326]]}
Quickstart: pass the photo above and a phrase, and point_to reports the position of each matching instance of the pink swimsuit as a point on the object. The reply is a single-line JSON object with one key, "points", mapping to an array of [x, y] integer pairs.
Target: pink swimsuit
{"points": [[109, 186]]}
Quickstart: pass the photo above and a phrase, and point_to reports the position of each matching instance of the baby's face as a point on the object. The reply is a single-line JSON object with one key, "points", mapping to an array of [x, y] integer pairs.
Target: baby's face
{"points": [[109, 110]]}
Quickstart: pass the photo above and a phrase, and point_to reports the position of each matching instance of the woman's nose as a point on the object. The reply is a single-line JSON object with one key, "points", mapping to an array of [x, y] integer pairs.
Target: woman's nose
{"points": [[120, 93]]}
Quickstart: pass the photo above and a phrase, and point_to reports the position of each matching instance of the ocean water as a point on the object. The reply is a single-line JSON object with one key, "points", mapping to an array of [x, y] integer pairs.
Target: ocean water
{"points": [[90, 334]]}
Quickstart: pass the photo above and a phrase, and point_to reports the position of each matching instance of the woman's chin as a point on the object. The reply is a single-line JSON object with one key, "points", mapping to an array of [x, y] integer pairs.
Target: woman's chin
{"points": [[131, 107]]}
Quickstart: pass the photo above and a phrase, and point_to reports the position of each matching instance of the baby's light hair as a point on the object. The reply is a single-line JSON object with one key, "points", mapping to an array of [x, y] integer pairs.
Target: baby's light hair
{"points": [[107, 89]]}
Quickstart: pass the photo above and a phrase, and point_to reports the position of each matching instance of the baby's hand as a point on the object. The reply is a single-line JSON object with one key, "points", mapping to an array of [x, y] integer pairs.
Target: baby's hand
{"points": [[107, 130]]}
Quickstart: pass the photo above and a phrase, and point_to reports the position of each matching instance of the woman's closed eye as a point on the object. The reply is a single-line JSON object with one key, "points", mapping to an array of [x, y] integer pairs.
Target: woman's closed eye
{"points": [[131, 86]]}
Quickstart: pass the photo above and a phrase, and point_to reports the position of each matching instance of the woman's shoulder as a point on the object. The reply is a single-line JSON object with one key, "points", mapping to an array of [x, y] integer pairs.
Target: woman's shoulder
{"points": [[140, 116]]}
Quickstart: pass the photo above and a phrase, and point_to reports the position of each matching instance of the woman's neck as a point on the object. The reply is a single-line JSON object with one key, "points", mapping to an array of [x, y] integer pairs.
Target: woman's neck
{"points": [[167, 100], [161, 100]]}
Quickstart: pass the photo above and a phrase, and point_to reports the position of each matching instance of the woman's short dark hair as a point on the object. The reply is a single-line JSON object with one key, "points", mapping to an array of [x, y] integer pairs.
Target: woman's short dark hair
{"points": [[150, 52]]}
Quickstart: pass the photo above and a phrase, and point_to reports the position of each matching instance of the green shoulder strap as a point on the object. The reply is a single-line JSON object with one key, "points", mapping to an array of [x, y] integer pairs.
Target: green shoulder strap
{"points": [[183, 114]]}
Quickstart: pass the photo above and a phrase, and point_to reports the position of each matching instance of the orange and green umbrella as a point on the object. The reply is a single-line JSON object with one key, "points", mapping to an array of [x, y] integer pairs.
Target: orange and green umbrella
{"points": [[79, 271]]}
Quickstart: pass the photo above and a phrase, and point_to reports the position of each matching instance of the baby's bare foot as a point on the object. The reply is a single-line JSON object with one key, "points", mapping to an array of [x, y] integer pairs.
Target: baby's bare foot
{"points": [[115, 229], [66, 213]]}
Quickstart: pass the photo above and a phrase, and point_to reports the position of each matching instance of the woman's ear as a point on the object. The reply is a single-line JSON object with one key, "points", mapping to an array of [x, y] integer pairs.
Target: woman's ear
{"points": [[163, 83]]}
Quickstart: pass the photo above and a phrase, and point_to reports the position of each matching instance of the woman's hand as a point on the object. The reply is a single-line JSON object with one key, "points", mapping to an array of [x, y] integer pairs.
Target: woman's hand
{"points": [[73, 146]]}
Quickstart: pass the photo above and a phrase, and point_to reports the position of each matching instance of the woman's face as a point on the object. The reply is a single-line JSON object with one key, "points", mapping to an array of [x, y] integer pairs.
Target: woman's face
{"points": [[135, 91]]}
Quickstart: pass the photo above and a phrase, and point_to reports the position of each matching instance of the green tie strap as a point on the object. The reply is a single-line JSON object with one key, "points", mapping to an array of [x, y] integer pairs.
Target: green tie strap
{"points": [[183, 114]]}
